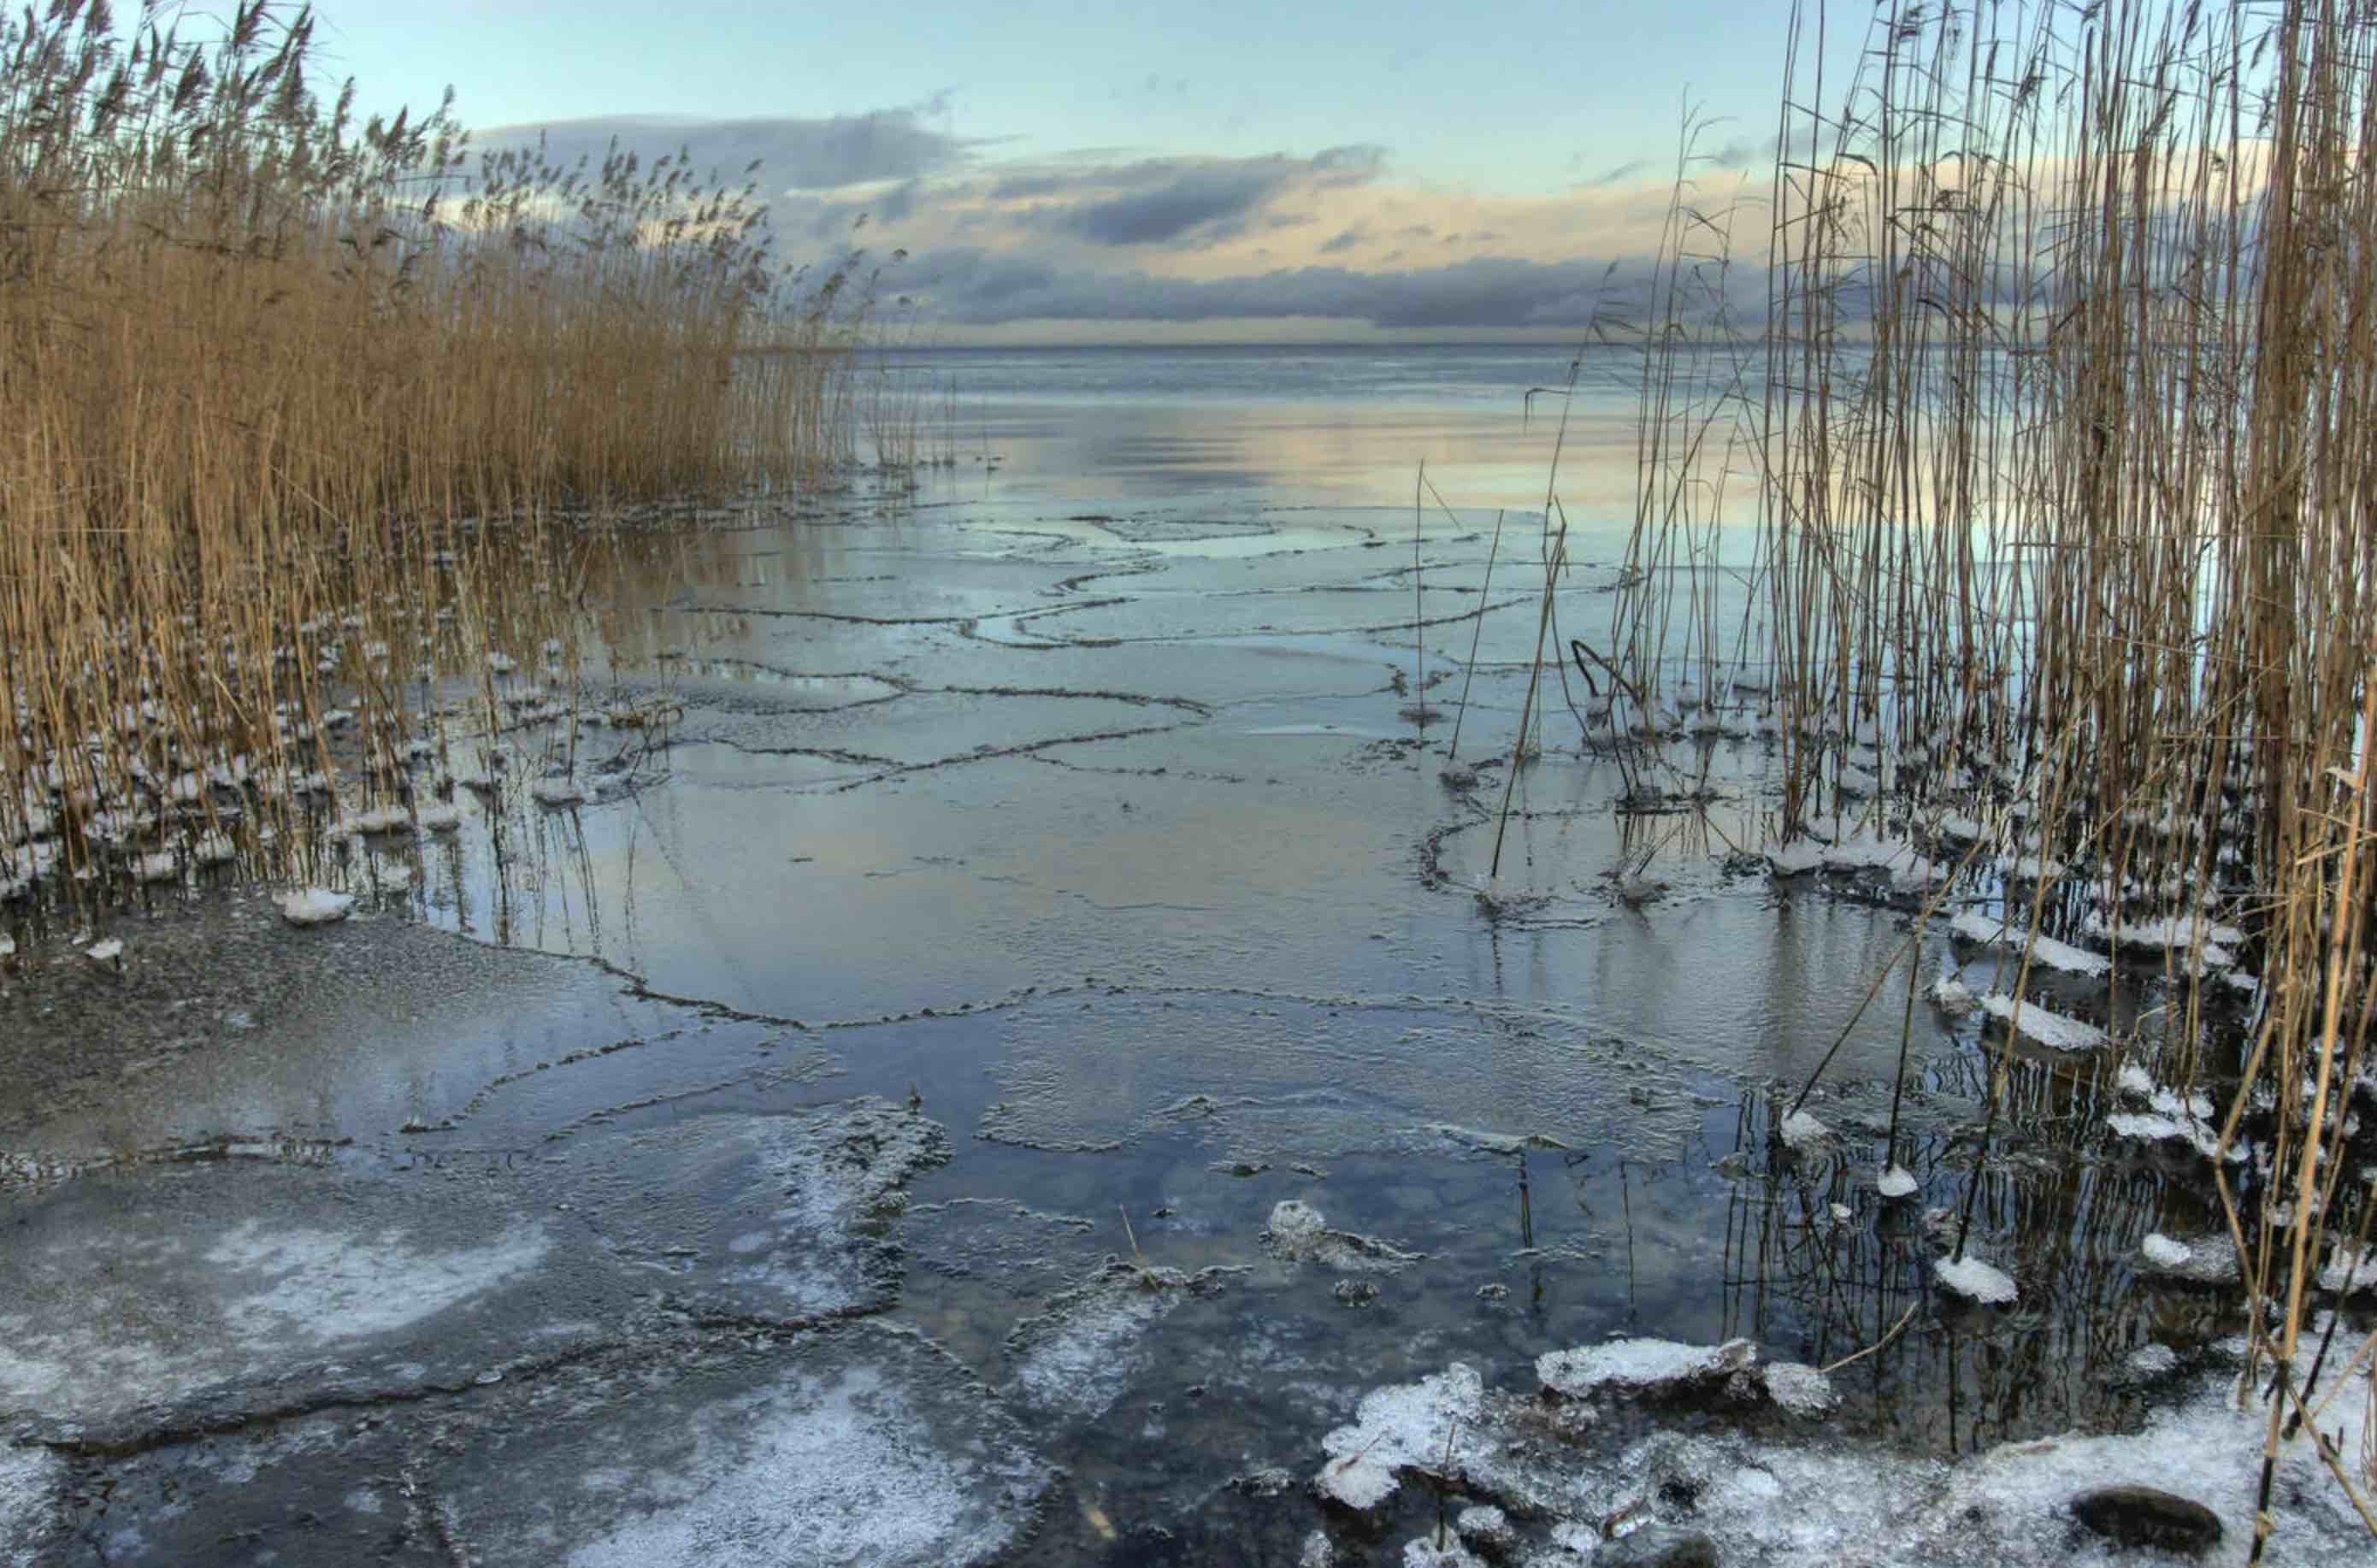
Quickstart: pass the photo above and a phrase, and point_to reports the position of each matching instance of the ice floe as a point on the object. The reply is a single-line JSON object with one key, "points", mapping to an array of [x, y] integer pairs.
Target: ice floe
{"points": [[2053, 1030], [316, 907]]}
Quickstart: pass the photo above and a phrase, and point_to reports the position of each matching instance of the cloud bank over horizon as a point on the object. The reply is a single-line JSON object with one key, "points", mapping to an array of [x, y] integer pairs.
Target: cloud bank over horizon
{"points": [[1108, 244]]}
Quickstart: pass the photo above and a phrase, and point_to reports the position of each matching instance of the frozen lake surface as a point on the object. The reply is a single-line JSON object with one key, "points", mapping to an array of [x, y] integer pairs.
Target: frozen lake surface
{"points": [[859, 1131]]}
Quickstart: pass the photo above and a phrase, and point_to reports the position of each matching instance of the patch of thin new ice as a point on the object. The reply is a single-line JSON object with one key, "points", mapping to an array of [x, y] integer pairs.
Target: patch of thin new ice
{"points": [[1896, 1182], [847, 1472], [316, 907], [1802, 1130], [1299, 1233], [320, 1286], [1495, 1142], [1080, 1364], [1970, 1277], [1989, 931], [1638, 1366], [2053, 1030], [1395, 1429], [2172, 934], [1863, 852], [2175, 1122]]}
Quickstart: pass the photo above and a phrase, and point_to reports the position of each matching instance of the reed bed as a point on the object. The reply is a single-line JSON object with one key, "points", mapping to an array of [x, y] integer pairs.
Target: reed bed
{"points": [[2066, 460], [311, 425]]}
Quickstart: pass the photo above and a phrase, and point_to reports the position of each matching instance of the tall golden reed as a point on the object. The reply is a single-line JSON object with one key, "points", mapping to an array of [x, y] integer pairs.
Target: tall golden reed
{"points": [[298, 415]]}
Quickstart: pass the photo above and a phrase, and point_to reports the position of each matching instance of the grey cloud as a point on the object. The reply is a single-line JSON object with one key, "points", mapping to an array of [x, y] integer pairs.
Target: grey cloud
{"points": [[1344, 240], [1181, 200], [1351, 163], [1193, 198], [974, 289], [1191, 202], [799, 154]]}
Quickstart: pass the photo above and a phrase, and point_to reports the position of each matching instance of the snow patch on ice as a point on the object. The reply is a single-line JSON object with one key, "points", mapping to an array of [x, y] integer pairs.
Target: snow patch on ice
{"points": [[1896, 1182], [2053, 1030], [1640, 1366], [1800, 1130], [1801, 1390], [843, 1471], [316, 907], [2202, 1260], [1970, 1277], [321, 1286], [1077, 1357], [1984, 930], [1396, 1428]]}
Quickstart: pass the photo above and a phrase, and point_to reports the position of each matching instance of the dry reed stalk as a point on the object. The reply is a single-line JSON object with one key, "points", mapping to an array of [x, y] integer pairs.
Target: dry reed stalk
{"points": [[299, 410], [2070, 402]]}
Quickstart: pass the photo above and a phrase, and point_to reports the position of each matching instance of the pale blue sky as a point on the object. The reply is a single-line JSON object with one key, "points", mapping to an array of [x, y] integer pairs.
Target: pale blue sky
{"points": [[1123, 170], [1501, 95]]}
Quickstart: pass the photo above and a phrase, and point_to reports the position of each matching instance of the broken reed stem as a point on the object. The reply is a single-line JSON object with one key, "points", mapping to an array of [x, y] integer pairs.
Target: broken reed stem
{"points": [[1557, 556], [1895, 1329], [1476, 630], [1419, 609], [1906, 1045]]}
